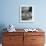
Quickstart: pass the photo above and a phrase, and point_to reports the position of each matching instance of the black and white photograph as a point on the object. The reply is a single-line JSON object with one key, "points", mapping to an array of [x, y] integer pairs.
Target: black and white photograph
{"points": [[26, 13]]}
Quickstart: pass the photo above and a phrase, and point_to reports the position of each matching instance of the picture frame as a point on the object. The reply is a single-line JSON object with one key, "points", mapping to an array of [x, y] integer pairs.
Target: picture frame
{"points": [[27, 13]]}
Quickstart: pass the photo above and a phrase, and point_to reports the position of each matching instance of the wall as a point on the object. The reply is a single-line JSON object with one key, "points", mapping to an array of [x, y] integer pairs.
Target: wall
{"points": [[10, 13]]}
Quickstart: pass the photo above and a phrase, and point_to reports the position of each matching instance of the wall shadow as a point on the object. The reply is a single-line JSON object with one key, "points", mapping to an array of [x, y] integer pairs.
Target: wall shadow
{"points": [[2, 29]]}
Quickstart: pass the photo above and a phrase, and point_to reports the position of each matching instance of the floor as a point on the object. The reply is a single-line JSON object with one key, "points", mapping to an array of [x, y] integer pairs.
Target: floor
{"points": [[0, 44]]}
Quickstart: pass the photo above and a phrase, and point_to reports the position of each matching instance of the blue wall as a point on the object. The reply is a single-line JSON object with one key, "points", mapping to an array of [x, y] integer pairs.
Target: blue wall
{"points": [[9, 13]]}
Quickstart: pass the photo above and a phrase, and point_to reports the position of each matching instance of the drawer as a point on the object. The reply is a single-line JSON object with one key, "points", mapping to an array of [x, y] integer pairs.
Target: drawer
{"points": [[27, 37], [34, 33], [13, 33], [37, 44], [37, 39], [8, 45], [12, 44], [12, 39]]}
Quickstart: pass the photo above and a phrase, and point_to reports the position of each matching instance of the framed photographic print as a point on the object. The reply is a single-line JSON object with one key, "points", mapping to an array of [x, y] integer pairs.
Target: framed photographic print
{"points": [[26, 13]]}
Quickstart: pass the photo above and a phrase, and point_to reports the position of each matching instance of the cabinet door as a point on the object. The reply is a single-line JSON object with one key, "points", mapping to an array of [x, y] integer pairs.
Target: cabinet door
{"points": [[13, 40], [27, 40]]}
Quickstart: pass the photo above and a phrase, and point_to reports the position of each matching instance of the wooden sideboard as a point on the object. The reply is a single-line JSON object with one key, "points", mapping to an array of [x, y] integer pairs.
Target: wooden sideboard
{"points": [[23, 38]]}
